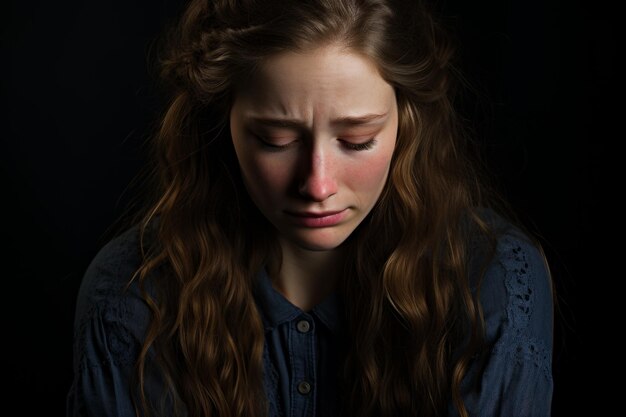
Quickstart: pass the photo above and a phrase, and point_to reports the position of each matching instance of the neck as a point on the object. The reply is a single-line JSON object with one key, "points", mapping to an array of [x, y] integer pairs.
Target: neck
{"points": [[306, 277]]}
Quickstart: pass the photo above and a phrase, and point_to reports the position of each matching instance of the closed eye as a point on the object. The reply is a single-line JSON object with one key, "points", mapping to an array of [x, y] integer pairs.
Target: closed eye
{"points": [[272, 146], [360, 146]]}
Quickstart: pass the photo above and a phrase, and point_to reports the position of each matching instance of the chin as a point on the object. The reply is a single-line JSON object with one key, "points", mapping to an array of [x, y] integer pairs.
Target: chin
{"points": [[319, 240]]}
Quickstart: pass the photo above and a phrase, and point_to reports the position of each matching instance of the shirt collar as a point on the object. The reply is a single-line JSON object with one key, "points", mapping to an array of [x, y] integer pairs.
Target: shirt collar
{"points": [[276, 309], [329, 312]]}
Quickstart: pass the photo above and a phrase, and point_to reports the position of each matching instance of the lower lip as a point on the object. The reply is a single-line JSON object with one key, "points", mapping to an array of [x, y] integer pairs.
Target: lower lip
{"points": [[325, 221]]}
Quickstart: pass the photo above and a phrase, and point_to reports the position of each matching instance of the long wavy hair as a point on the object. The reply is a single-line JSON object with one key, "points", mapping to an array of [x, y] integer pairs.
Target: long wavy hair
{"points": [[413, 322]]}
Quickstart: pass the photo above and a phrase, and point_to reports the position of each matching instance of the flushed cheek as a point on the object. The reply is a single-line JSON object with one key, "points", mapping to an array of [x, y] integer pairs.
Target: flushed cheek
{"points": [[367, 177]]}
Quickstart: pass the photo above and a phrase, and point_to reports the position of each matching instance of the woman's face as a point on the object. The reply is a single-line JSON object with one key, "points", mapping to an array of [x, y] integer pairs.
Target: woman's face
{"points": [[314, 134]]}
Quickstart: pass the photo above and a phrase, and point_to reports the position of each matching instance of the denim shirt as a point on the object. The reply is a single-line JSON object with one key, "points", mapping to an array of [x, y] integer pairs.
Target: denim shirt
{"points": [[300, 355]]}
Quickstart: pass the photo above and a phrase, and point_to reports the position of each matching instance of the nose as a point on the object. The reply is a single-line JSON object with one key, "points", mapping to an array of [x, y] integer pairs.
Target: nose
{"points": [[318, 181]]}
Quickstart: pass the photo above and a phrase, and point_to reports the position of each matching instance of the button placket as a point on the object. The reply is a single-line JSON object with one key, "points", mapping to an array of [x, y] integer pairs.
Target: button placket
{"points": [[304, 363]]}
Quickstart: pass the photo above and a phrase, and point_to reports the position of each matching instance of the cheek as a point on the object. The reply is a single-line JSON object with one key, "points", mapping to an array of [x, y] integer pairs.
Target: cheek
{"points": [[265, 177], [367, 178]]}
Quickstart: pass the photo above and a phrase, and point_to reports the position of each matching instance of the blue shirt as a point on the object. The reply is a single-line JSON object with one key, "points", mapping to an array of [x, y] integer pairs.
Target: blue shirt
{"points": [[300, 355]]}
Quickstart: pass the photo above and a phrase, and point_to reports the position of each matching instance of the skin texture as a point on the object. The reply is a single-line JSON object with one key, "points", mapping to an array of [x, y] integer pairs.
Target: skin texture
{"points": [[314, 134]]}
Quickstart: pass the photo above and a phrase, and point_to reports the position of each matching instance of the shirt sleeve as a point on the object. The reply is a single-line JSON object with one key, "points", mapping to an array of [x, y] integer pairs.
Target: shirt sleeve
{"points": [[109, 328], [515, 380]]}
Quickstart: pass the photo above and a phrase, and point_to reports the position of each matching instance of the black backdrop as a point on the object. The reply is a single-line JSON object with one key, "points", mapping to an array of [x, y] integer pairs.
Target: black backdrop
{"points": [[78, 100]]}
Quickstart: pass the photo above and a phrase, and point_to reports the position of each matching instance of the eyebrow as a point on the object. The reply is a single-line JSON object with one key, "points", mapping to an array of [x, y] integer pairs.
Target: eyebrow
{"points": [[341, 121]]}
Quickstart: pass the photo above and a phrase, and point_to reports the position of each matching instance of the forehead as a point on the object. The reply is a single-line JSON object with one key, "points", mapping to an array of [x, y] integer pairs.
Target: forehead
{"points": [[328, 78]]}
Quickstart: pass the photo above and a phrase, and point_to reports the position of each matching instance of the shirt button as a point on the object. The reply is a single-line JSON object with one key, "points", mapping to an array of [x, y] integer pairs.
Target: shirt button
{"points": [[304, 388], [303, 326]]}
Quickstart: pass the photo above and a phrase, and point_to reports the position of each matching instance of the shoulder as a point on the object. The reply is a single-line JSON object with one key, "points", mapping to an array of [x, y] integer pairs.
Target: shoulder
{"points": [[110, 324], [106, 278], [516, 288], [514, 377], [111, 316], [109, 270]]}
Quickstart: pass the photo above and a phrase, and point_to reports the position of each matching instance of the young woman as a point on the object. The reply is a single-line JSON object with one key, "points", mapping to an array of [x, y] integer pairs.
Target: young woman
{"points": [[320, 244]]}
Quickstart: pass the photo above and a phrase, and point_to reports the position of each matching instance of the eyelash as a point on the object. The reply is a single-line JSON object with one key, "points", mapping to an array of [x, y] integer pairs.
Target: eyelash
{"points": [[358, 147], [361, 146]]}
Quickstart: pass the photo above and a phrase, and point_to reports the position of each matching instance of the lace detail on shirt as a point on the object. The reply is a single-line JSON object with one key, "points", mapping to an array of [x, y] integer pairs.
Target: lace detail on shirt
{"points": [[271, 384], [109, 306], [518, 344], [518, 284], [123, 347]]}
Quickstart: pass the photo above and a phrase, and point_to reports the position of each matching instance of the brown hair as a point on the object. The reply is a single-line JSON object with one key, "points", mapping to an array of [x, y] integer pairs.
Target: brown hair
{"points": [[410, 310]]}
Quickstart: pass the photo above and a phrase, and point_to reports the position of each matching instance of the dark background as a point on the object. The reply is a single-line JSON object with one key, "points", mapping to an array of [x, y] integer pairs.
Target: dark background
{"points": [[78, 101]]}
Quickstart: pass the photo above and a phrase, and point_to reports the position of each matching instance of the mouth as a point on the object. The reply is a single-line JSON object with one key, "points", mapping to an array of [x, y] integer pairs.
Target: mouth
{"points": [[317, 219]]}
